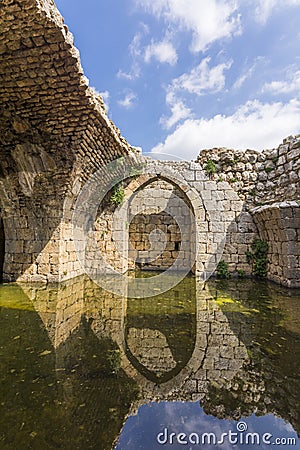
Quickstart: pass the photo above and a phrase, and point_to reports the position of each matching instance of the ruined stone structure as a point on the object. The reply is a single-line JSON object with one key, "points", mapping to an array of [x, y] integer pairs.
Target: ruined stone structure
{"points": [[55, 135], [269, 185]]}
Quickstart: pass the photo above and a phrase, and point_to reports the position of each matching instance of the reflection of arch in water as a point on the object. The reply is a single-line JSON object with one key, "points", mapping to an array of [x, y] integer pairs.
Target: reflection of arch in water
{"points": [[160, 345], [2, 248], [214, 368], [216, 354], [217, 357]]}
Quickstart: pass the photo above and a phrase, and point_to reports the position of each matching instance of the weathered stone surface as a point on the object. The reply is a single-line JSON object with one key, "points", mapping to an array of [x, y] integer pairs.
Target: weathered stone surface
{"points": [[276, 170], [53, 128]]}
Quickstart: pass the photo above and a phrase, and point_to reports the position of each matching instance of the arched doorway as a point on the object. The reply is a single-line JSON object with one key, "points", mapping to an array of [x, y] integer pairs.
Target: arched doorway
{"points": [[2, 248], [161, 227]]}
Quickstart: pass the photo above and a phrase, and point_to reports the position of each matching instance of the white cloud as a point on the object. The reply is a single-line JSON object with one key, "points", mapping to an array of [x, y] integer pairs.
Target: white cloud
{"points": [[202, 79], [133, 74], [208, 21], [178, 111], [135, 52], [240, 81], [254, 125], [163, 51], [128, 101], [264, 8], [288, 86], [135, 45], [248, 73], [245, 76]]}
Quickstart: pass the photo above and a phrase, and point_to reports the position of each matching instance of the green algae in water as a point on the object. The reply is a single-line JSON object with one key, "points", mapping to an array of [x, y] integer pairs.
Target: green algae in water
{"points": [[12, 296], [230, 305], [57, 396]]}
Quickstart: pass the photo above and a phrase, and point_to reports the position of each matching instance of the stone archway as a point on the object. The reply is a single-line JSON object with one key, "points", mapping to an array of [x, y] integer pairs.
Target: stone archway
{"points": [[104, 238], [2, 248], [161, 230]]}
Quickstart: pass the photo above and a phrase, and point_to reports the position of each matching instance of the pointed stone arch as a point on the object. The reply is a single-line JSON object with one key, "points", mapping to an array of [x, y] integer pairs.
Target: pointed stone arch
{"points": [[161, 227], [162, 208]]}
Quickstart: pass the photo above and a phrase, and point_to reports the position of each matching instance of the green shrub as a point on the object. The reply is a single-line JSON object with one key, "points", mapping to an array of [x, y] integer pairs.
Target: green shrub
{"points": [[241, 273], [118, 196], [210, 167], [222, 270], [258, 258]]}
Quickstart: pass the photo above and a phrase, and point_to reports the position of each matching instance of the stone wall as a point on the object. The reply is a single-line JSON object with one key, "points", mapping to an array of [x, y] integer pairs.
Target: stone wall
{"points": [[161, 230], [54, 132], [279, 225], [211, 217], [258, 178], [237, 224], [243, 181], [269, 185]]}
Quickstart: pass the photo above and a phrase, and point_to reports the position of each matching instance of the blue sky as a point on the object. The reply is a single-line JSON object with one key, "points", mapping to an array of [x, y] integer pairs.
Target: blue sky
{"points": [[178, 76]]}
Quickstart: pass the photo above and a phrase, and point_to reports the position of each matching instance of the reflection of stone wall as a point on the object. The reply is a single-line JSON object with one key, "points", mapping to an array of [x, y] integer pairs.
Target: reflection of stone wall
{"points": [[238, 364], [151, 349], [2, 248]]}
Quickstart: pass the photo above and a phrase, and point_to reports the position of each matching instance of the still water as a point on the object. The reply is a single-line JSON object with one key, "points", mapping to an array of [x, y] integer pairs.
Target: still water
{"points": [[214, 366]]}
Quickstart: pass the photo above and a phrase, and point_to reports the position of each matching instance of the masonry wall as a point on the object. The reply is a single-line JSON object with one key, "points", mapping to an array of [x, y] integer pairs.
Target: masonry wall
{"points": [[213, 222], [161, 230], [258, 177], [233, 211], [54, 133], [268, 183], [279, 225]]}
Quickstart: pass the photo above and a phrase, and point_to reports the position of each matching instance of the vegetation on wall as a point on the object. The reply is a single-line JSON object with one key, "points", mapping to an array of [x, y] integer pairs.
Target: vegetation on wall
{"points": [[258, 258], [222, 270], [137, 170], [241, 273], [118, 195], [210, 167]]}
